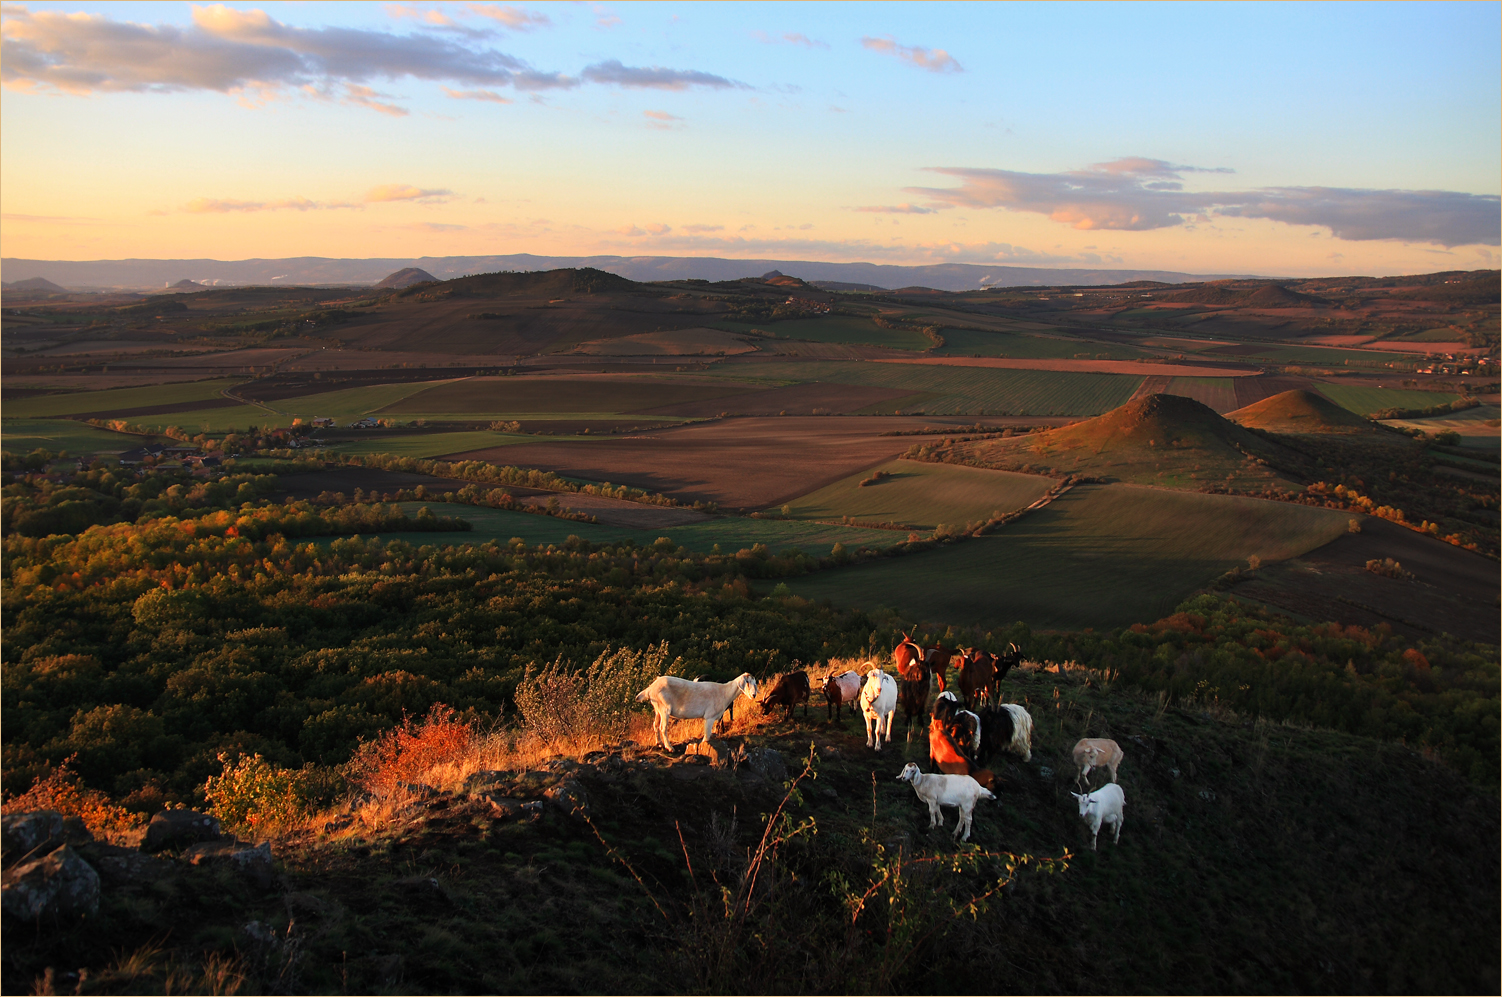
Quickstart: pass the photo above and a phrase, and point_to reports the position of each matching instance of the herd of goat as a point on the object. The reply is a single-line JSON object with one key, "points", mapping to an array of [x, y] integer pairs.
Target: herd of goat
{"points": [[962, 735]]}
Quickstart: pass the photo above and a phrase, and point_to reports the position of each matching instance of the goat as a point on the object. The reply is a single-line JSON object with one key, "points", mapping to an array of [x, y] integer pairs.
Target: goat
{"points": [[1007, 660], [878, 703], [936, 660], [1102, 806], [1095, 752], [788, 691], [671, 696], [841, 690], [907, 657], [948, 754], [977, 675], [962, 724], [1008, 727], [912, 695], [937, 791]]}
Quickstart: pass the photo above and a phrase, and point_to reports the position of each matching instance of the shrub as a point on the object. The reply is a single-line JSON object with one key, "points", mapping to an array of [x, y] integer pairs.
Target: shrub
{"points": [[62, 791], [1388, 568], [561, 704], [406, 754], [253, 793]]}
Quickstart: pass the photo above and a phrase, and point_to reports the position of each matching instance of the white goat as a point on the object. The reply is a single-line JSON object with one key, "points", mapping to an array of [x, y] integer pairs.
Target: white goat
{"points": [[937, 791], [1022, 731], [671, 696], [878, 703], [1102, 806]]}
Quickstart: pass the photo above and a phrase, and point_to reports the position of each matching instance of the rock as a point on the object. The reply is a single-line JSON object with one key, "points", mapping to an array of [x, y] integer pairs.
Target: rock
{"points": [[24, 832], [478, 782], [254, 863], [421, 790], [34, 834], [568, 796], [259, 936], [767, 763], [533, 809], [125, 867], [179, 828], [563, 765], [340, 823], [1045, 773], [59, 884], [504, 806]]}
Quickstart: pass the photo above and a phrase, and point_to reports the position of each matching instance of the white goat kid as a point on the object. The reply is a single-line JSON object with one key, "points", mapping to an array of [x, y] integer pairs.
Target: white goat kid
{"points": [[1104, 806], [671, 696], [946, 791], [878, 703]]}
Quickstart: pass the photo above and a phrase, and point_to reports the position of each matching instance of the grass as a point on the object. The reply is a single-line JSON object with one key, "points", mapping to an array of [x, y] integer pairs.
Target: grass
{"points": [[969, 342], [74, 403], [433, 444], [924, 495], [966, 390], [1098, 556], [26, 435], [604, 395], [731, 533], [349, 404], [838, 329], [1362, 400], [1323, 355]]}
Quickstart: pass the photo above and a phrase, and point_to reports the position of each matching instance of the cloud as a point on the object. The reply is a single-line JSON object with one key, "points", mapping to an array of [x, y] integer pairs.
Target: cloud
{"points": [[660, 116], [486, 95], [703, 228], [855, 250], [656, 228], [250, 53], [216, 206], [406, 192], [1138, 194], [434, 227], [935, 60], [653, 77], [366, 97], [788, 38], [605, 17], [898, 209], [512, 17]]}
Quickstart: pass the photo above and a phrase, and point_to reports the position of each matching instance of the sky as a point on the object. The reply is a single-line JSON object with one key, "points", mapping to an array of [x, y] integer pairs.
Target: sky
{"points": [[1282, 139]]}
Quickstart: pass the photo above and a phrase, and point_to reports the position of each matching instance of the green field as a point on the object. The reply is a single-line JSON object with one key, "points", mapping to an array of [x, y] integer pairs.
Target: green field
{"points": [[118, 399], [1217, 392], [1363, 401], [26, 435], [976, 342], [964, 390], [924, 495], [433, 444], [350, 404], [836, 329], [553, 397], [1099, 556], [1324, 355], [731, 532]]}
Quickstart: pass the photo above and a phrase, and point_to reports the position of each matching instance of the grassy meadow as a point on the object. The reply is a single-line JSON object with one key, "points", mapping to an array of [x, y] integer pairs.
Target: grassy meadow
{"points": [[118, 400], [1097, 556], [923, 495], [849, 329], [511, 396], [26, 435], [979, 342], [433, 444], [1363, 400]]}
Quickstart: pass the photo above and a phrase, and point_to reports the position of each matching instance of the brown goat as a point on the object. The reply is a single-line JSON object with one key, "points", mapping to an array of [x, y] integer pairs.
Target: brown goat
{"points": [[977, 675], [841, 690], [790, 690]]}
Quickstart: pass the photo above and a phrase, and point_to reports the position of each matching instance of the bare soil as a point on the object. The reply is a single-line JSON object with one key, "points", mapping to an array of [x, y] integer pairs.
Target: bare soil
{"points": [[747, 463]]}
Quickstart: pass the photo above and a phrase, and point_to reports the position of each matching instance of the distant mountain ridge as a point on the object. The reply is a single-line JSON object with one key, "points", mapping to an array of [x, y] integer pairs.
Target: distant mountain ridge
{"points": [[155, 274]]}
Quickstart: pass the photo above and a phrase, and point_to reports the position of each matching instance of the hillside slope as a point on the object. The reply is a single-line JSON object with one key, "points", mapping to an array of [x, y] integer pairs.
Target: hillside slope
{"points": [[1301, 411]]}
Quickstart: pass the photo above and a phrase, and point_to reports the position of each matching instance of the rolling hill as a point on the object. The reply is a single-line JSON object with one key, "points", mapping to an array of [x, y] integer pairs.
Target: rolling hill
{"points": [[1300, 411]]}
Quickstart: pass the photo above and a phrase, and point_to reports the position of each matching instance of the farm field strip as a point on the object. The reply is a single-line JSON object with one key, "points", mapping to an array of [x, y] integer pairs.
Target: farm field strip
{"points": [[968, 390], [1098, 556], [1363, 400], [350, 404], [924, 495], [967, 342], [600, 394], [425, 445], [72, 403], [26, 435], [836, 329], [1217, 392], [731, 533]]}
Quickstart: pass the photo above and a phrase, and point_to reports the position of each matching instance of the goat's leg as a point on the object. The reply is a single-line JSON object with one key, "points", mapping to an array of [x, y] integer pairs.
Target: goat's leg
{"points": [[935, 818], [662, 729], [1119, 821]]}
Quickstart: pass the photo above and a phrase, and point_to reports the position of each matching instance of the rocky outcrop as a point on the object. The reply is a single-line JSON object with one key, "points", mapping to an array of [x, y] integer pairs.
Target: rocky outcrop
{"points": [[60, 884], [254, 862], [179, 829]]}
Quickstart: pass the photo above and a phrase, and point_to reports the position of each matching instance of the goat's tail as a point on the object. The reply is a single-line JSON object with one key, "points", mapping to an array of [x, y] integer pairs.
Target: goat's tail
{"points": [[641, 697]]}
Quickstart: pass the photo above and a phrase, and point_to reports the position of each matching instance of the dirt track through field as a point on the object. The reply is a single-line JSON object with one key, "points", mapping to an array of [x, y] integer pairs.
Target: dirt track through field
{"points": [[747, 463]]}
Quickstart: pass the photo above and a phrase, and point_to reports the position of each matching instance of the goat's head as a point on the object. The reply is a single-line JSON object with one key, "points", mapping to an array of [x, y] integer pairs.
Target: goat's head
{"points": [[748, 685], [910, 772], [1085, 803]]}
